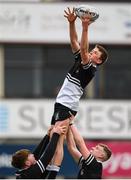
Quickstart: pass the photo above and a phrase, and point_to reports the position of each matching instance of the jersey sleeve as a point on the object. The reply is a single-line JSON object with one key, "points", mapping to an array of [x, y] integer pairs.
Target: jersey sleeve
{"points": [[80, 162], [88, 65], [89, 159], [53, 171], [41, 147], [52, 175], [77, 55], [49, 152]]}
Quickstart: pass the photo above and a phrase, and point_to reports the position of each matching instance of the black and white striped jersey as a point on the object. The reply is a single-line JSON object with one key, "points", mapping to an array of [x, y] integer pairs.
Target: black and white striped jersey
{"points": [[37, 170], [76, 80], [90, 168]]}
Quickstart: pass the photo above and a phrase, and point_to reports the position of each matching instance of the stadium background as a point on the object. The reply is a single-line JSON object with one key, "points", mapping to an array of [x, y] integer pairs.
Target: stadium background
{"points": [[33, 64]]}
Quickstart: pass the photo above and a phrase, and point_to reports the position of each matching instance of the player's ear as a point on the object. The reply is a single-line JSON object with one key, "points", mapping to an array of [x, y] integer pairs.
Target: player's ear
{"points": [[101, 156], [28, 163], [99, 61]]}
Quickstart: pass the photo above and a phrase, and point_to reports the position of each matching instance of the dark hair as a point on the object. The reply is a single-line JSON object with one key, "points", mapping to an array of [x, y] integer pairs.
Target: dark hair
{"points": [[107, 151], [104, 55], [19, 158]]}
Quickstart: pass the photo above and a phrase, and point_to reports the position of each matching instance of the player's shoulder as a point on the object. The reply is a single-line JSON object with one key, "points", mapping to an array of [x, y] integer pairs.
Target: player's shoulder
{"points": [[92, 160], [89, 159]]}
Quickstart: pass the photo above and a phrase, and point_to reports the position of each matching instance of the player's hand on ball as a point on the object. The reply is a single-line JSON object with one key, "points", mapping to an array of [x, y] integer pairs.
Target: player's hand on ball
{"points": [[70, 15], [87, 11], [86, 20]]}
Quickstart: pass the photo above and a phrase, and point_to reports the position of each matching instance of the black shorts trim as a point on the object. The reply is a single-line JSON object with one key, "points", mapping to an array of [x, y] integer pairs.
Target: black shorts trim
{"points": [[61, 113]]}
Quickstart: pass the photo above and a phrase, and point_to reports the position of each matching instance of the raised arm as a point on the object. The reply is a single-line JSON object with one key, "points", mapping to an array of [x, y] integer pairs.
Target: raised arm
{"points": [[71, 17], [58, 156], [72, 146], [54, 166], [84, 45], [42, 145], [80, 142]]}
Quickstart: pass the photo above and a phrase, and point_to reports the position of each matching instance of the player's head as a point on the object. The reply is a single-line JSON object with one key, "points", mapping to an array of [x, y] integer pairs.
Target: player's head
{"points": [[23, 158], [98, 55], [101, 152]]}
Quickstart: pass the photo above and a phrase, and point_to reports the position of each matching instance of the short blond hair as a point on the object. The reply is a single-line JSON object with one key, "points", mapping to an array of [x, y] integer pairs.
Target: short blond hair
{"points": [[107, 151]]}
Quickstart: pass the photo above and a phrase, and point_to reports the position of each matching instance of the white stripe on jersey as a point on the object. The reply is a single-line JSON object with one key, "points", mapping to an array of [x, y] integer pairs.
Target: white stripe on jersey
{"points": [[86, 66], [80, 161], [53, 168], [42, 168], [89, 159], [77, 53], [74, 79]]}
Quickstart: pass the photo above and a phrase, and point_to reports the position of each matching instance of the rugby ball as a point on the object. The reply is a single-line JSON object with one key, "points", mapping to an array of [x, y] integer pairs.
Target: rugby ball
{"points": [[86, 10]]}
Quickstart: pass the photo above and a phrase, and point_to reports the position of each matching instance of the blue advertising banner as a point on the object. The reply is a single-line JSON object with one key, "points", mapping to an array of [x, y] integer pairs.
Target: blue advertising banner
{"points": [[119, 165]]}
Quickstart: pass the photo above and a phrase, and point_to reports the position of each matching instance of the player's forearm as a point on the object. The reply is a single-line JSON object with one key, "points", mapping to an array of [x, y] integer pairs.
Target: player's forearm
{"points": [[84, 45], [50, 150], [73, 36], [77, 136], [72, 146], [80, 142], [73, 33], [41, 147], [58, 156], [70, 140]]}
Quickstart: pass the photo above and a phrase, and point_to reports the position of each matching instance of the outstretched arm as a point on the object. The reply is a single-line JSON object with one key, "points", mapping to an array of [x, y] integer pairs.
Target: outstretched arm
{"points": [[42, 145], [58, 156], [71, 17], [50, 150], [54, 167], [84, 45], [80, 142], [72, 146]]}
